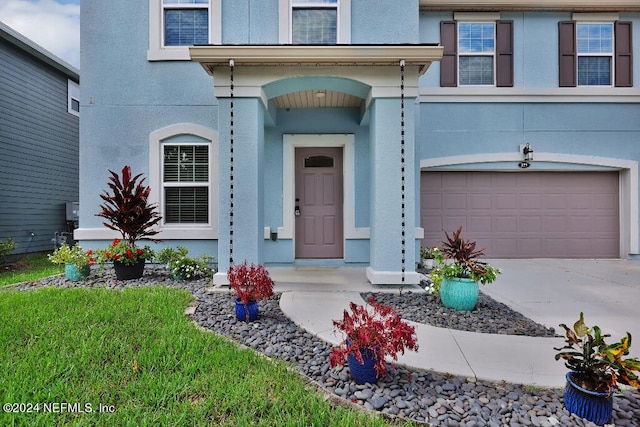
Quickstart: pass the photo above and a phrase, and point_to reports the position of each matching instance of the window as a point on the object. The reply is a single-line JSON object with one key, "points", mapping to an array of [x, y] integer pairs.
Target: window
{"points": [[314, 21], [325, 22], [183, 167], [73, 98], [186, 22], [595, 54], [174, 25], [185, 180], [478, 53], [476, 46]]}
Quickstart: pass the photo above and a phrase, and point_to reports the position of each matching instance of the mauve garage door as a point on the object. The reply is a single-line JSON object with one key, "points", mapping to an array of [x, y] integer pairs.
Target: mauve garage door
{"points": [[525, 214]]}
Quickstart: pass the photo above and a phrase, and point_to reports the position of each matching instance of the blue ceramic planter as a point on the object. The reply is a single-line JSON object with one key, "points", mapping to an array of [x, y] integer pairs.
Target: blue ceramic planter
{"points": [[246, 311], [590, 405], [74, 273], [459, 294], [363, 373]]}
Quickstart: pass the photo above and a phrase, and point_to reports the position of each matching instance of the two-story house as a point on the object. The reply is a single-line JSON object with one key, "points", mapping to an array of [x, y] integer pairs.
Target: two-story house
{"points": [[350, 132], [39, 134]]}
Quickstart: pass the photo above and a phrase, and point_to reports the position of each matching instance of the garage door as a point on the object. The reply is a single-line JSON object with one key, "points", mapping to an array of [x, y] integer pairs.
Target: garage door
{"points": [[526, 214]]}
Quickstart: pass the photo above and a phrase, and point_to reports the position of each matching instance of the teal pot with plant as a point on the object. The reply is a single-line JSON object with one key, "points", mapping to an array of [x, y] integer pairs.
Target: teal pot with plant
{"points": [[75, 273], [596, 370], [459, 293], [458, 272]]}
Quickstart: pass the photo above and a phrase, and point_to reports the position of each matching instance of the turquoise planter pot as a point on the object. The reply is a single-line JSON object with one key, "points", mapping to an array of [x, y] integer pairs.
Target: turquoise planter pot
{"points": [[459, 294], [74, 273]]}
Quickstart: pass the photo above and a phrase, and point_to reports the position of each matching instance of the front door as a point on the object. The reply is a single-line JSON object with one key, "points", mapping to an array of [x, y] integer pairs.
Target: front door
{"points": [[318, 203]]}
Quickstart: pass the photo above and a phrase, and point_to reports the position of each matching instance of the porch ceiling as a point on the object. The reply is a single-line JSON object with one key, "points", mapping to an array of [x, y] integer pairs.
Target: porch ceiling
{"points": [[317, 99]]}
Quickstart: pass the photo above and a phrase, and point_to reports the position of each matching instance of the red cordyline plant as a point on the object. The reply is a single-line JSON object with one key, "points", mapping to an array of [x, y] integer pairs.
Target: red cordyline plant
{"points": [[127, 210], [250, 282], [375, 327]]}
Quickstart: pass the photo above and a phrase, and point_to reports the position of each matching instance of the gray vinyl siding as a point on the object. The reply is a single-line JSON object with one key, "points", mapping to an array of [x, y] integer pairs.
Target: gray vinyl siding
{"points": [[38, 150]]}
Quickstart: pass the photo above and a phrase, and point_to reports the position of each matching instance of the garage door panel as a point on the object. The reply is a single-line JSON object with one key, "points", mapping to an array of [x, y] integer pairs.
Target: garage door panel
{"points": [[507, 224], [525, 214]]}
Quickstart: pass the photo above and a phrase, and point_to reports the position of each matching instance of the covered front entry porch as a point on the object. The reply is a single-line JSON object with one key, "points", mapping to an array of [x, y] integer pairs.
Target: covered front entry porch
{"points": [[271, 111]]}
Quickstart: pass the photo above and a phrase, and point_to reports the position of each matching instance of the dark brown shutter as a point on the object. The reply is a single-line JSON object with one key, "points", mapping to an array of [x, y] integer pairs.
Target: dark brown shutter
{"points": [[567, 53], [504, 53], [624, 59], [449, 61]]}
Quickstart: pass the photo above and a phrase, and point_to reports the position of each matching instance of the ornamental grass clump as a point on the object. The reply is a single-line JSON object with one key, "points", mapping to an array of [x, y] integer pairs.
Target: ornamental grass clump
{"points": [[376, 328], [250, 282]]}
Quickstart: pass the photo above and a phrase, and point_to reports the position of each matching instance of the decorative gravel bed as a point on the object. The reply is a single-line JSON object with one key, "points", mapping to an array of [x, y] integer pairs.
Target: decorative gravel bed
{"points": [[422, 396], [489, 316]]}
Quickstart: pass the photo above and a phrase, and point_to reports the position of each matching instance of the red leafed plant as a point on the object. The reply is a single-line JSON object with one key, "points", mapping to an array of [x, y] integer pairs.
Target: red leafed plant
{"points": [[250, 282], [127, 209], [375, 327]]}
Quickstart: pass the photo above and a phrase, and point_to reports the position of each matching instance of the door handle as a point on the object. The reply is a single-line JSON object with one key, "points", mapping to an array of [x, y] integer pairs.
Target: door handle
{"points": [[296, 211]]}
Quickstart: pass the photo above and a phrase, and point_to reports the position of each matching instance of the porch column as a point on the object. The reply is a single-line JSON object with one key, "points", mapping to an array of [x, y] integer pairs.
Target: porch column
{"points": [[248, 215], [386, 206]]}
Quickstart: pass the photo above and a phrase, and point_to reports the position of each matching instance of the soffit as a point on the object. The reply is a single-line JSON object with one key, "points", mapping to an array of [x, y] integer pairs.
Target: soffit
{"points": [[505, 5], [317, 99], [211, 56]]}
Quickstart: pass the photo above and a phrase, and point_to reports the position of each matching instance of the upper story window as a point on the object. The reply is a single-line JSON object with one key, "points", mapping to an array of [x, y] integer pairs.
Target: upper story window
{"points": [[325, 22], [73, 98], [593, 52], [314, 21], [174, 25], [185, 22], [478, 51], [476, 48]]}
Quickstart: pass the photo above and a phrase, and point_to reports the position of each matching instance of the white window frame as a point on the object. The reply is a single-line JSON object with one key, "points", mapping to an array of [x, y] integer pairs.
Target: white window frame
{"points": [[73, 94], [343, 24], [157, 141], [466, 54], [612, 65], [158, 51]]}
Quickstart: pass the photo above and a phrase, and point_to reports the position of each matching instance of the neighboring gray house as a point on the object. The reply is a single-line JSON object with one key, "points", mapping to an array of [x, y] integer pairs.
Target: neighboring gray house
{"points": [[39, 127]]}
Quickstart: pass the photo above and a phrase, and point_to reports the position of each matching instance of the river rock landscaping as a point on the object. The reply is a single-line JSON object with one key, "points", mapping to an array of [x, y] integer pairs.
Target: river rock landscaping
{"points": [[422, 396]]}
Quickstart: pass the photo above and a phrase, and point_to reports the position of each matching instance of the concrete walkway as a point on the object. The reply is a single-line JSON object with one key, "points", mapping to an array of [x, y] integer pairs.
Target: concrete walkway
{"points": [[547, 291]]}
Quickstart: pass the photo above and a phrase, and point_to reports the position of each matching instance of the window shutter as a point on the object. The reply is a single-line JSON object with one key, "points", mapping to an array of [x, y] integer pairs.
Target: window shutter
{"points": [[449, 61], [567, 53], [504, 53], [623, 52]]}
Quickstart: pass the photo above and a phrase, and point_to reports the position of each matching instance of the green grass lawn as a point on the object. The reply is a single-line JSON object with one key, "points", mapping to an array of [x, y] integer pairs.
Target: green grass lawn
{"points": [[136, 354], [29, 268]]}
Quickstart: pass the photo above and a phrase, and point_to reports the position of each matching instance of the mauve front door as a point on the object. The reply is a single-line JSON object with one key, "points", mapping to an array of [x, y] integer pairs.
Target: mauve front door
{"points": [[318, 201]]}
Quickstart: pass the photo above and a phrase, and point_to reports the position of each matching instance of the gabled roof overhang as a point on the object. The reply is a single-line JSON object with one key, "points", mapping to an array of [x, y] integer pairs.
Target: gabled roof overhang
{"points": [[420, 55], [509, 5]]}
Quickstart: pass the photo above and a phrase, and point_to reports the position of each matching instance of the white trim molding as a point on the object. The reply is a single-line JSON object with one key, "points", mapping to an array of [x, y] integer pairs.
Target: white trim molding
{"points": [[542, 5], [547, 95], [391, 277], [289, 144], [156, 138], [158, 52], [628, 188]]}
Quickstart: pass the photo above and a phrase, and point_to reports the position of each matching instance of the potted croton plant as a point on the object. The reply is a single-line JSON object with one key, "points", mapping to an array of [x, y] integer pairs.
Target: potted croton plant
{"points": [[128, 211], [77, 261], [250, 283], [458, 271], [596, 370], [372, 331]]}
